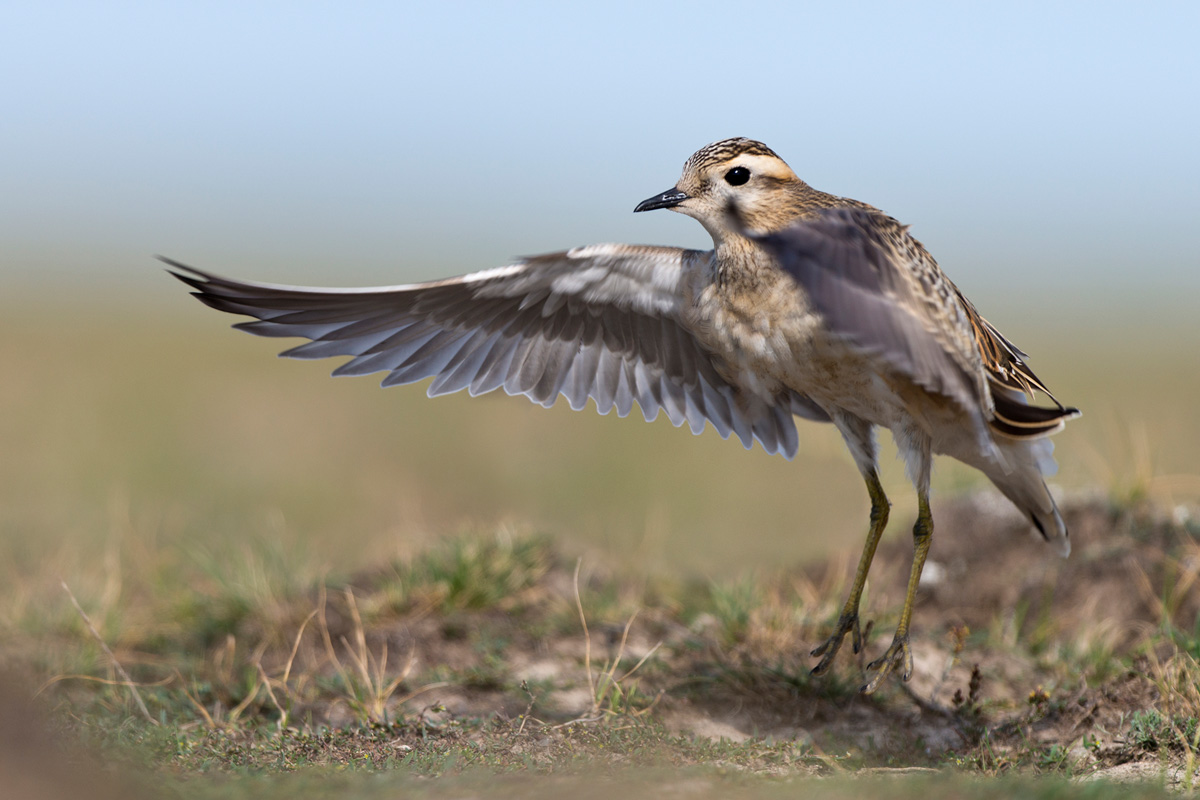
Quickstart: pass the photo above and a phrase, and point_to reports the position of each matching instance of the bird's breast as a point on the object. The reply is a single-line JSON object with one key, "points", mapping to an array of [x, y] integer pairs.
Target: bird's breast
{"points": [[757, 329], [769, 342]]}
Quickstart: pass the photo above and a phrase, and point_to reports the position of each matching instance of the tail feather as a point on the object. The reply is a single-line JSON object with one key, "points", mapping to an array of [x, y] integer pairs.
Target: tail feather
{"points": [[1020, 478], [1013, 416]]}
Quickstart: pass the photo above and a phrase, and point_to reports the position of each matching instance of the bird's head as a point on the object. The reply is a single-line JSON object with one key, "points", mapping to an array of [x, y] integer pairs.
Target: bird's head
{"points": [[739, 172]]}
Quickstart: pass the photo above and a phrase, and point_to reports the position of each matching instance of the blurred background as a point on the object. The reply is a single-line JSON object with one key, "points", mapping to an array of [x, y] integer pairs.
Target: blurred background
{"points": [[1045, 153]]}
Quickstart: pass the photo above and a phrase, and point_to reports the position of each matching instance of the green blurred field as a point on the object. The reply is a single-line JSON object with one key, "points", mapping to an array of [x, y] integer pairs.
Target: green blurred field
{"points": [[147, 415]]}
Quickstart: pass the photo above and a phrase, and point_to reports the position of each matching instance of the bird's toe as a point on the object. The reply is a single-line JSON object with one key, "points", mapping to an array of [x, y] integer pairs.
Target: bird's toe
{"points": [[899, 654], [827, 650]]}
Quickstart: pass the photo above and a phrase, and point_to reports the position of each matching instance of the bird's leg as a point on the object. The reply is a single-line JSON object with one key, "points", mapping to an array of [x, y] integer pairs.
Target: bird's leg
{"points": [[848, 620], [900, 652]]}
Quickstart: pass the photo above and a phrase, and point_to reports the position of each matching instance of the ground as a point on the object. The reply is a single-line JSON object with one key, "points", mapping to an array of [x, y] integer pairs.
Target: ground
{"points": [[508, 655]]}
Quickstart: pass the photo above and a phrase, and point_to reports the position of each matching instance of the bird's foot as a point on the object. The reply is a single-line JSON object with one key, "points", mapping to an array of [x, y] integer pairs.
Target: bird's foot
{"points": [[847, 623], [898, 654]]}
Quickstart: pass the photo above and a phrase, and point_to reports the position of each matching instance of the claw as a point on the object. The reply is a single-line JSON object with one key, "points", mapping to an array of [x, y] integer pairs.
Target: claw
{"points": [[847, 623], [898, 653]]}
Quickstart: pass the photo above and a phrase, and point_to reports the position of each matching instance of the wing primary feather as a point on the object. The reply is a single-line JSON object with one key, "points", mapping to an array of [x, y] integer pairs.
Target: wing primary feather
{"points": [[554, 373], [604, 391], [494, 369], [716, 408], [625, 386], [674, 402], [741, 426], [583, 376], [695, 411], [513, 381], [464, 367], [650, 391], [376, 359], [427, 360], [330, 347]]}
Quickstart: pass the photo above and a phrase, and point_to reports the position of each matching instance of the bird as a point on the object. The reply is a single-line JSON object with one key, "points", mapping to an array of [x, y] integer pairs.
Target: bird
{"points": [[808, 305]]}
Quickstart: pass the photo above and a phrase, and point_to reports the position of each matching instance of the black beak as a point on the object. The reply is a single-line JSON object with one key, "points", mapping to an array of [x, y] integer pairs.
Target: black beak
{"points": [[668, 199]]}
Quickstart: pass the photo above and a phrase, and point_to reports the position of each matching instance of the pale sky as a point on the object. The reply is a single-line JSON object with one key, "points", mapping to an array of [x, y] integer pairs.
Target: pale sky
{"points": [[1050, 145]]}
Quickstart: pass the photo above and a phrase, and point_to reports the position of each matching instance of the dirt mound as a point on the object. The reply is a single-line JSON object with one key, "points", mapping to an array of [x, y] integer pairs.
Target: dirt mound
{"points": [[1023, 660], [1017, 651]]}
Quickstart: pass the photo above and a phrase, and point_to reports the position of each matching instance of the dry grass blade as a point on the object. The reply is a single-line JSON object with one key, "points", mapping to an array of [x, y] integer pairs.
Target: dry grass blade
{"points": [[287, 667], [94, 679], [587, 638], [607, 684], [196, 704], [236, 712], [361, 657], [365, 690], [330, 653], [266, 682], [629, 672], [111, 657], [420, 690]]}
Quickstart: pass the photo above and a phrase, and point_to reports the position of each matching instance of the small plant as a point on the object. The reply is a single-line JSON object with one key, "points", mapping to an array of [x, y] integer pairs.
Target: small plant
{"points": [[1053, 758], [611, 696], [481, 573], [282, 682], [969, 705], [1152, 732], [1147, 731], [366, 688], [733, 606]]}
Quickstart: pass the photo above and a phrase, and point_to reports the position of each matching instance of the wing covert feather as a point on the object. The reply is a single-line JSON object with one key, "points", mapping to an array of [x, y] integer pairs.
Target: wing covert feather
{"points": [[877, 286]]}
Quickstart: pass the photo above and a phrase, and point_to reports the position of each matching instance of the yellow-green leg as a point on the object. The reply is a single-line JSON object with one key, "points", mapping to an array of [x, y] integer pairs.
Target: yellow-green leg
{"points": [[848, 620], [900, 652]]}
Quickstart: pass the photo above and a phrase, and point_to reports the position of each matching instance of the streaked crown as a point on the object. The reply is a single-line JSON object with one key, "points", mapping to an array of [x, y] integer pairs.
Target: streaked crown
{"points": [[724, 151]]}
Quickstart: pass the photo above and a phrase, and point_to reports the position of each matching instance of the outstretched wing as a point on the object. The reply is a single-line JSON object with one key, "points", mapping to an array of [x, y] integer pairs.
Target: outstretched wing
{"points": [[600, 322], [876, 285]]}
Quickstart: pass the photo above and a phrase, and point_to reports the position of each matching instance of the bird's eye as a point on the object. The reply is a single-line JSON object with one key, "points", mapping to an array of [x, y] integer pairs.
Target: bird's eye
{"points": [[737, 176]]}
